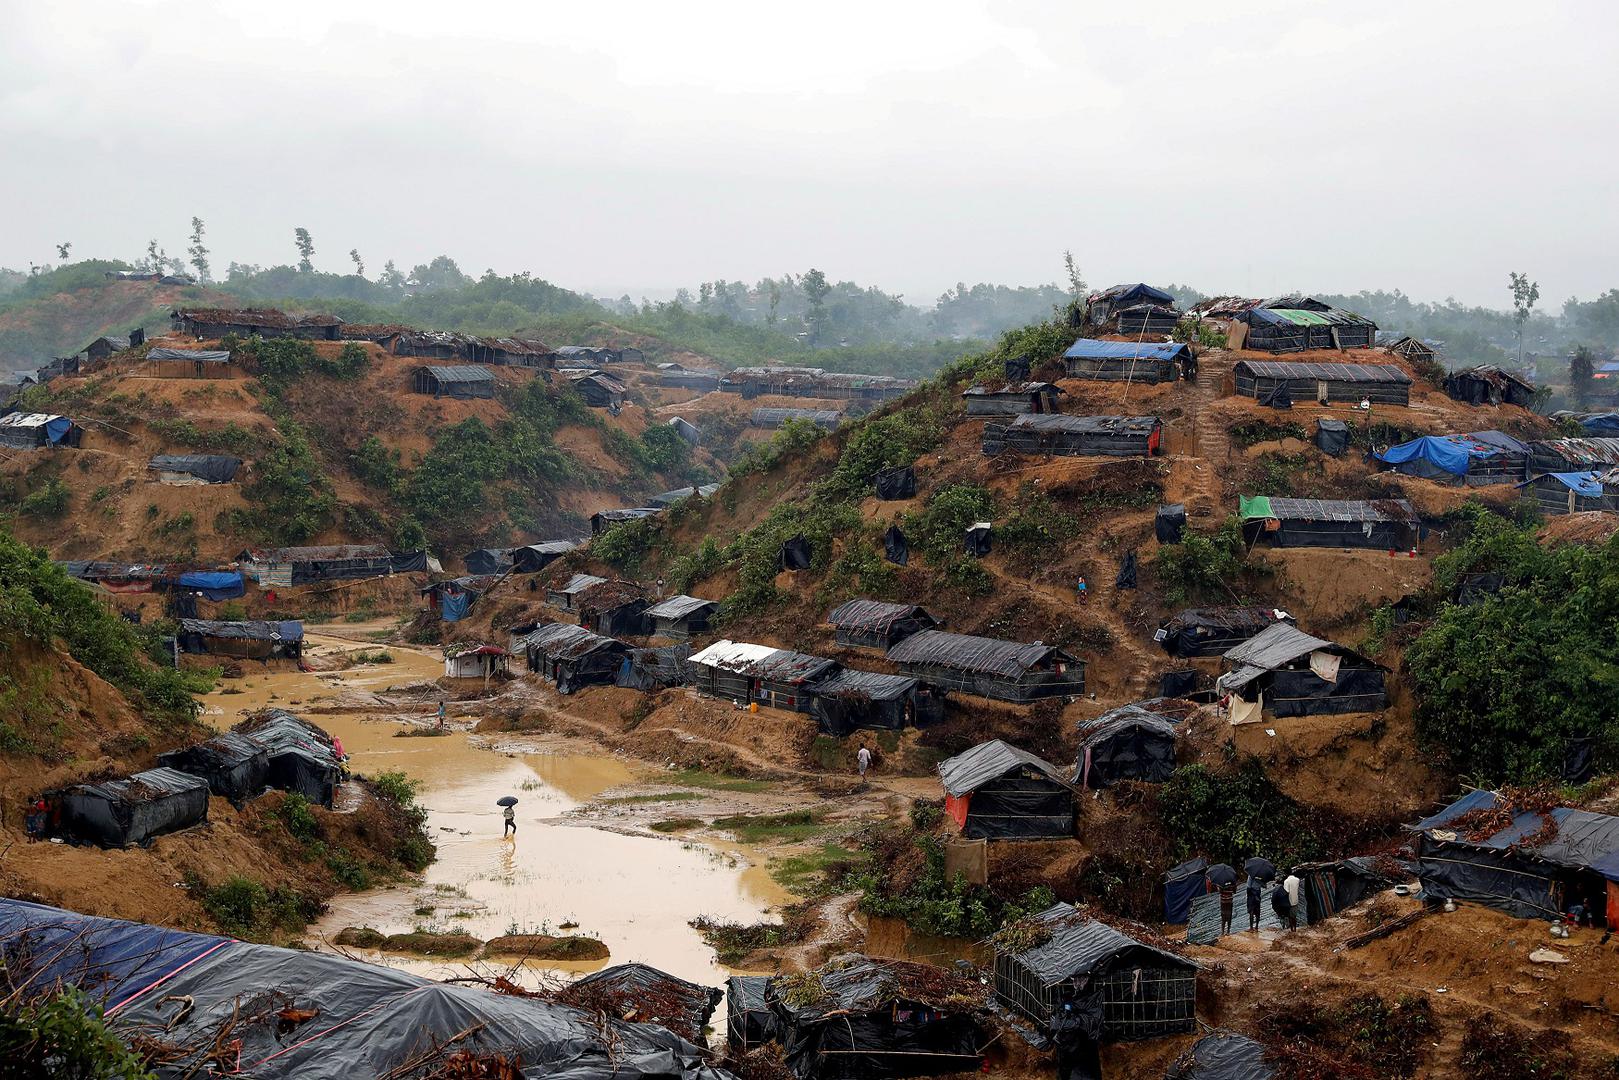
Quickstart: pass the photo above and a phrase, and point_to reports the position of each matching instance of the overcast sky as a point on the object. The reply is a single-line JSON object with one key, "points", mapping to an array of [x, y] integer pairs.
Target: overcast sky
{"points": [[1243, 146]]}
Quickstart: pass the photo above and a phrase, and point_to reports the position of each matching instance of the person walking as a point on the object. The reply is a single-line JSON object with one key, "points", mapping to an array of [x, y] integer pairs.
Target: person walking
{"points": [[442, 714], [1255, 894], [1290, 886], [1081, 591], [510, 828], [863, 761], [1228, 900]]}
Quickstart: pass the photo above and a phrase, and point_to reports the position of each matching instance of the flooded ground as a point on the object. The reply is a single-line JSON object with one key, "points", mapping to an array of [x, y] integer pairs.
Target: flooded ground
{"points": [[634, 891]]}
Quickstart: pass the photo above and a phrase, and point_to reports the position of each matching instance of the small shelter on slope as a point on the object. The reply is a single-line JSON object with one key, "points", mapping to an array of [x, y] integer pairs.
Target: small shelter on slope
{"points": [[1076, 436], [1135, 990], [131, 809], [38, 431], [1476, 459], [302, 757], [166, 363], [252, 639], [600, 391], [572, 657], [487, 562], [186, 470], [1135, 308], [643, 994], [877, 624], [1532, 867], [850, 700], [233, 765], [746, 672], [1012, 398], [1574, 492], [1131, 742], [665, 499], [988, 667], [1214, 631], [1285, 672], [1125, 361], [864, 1018], [472, 660], [613, 609], [680, 617], [749, 1021], [1383, 524], [1332, 886], [1222, 1055], [1380, 384], [1301, 323], [532, 558], [603, 520], [566, 595], [995, 791], [455, 381], [1406, 347], [826, 419], [1487, 384], [1571, 455]]}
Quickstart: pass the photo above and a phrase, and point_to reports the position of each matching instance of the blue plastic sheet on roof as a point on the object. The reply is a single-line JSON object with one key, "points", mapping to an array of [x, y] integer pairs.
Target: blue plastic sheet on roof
{"points": [[1581, 483], [1601, 424], [56, 429], [1094, 349], [1452, 453], [213, 584], [1473, 800]]}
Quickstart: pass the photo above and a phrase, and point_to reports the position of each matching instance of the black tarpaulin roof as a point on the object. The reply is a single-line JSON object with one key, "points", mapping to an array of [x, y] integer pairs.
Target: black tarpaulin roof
{"points": [[868, 685], [868, 983], [1331, 372], [678, 607], [647, 994], [207, 356], [145, 786], [226, 748], [1087, 425], [1222, 1055], [1582, 840], [987, 656], [281, 732], [971, 769], [1079, 946], [316, 553], [1221, 618], [1278, 645], [460, 373], [874, 614], [1014, 389], [1114, 721], [567, 641], [245, 630], [215, 468]]}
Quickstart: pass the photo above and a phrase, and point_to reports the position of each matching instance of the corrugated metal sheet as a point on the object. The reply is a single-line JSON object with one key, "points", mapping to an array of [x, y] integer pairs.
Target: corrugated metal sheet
{"points": [[579, 583]]}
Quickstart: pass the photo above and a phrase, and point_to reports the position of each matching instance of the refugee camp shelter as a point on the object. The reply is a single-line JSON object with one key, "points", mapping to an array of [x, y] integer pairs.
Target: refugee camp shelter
{"points": [[1076, 436], [1383, 524], [1574, 492], [1285, 672], [564, 596], [327, 1016], [1536, 867], [1407, 347], [454, 596], [285, 566], [604, 519], [989, 667], [746, 672], [1300, 323], [600, 391], [643, 994], [103, 347], [165, 363], [1380, 384], [572, 657], [302, 757], [877, 624], [681, 616], [826, 419], [37, 431], [1183, 884], [471, 660], [185, 470], [456, 381], [132, 809], [1565, 455], [1487, 384], [1137, 991], [486, 562], [613, 608], [654, 668], [874, 1019], [253, 322], [1126, 361], [1012, 398], [532, 558], [996, 791], [672, 374], [686, 430], [1214, 631], [1473, 460], [250, 639], [1131, 742], [233, 765], [749, 1021], [1136, 309], [1331, 436], [1338, 884], [665, 499], [896, 483], [850, 700]]}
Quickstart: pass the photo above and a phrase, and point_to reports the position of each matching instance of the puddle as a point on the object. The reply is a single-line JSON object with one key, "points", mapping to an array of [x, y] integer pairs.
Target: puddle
{"points": [[636, 893]]}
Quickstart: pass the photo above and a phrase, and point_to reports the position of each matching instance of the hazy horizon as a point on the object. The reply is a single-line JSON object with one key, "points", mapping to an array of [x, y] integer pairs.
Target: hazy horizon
{"points": [[1253, 148]]}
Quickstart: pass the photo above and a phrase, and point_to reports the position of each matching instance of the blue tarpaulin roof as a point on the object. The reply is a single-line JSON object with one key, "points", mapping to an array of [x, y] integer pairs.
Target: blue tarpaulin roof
{"points": [[1095, 349], [1581, 839], [1588, 484], [1452, 453], [1601, 424], [213, 584]]}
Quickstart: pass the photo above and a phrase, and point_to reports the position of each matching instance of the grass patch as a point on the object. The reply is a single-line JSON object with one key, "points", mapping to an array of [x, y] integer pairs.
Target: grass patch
{"points": [[677, 824], [656, 796], [812, 872], [761, 828], [697, 778]]}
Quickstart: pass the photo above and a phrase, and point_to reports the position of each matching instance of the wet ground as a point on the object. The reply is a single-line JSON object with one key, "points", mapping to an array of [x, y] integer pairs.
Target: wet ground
{"points": [[634, 890]]}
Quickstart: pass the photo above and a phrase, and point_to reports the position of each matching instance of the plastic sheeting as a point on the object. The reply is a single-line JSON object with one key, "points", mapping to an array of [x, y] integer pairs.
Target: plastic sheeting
{"points": [[979, 539], [1127, 743], [134, 809], [749, 1021], [897, 483], [1169, 523], [234, 766], [1126, 578], [1182, 885], [1223, 1055], [896, 548], [486, 561], [654, 669], [1331, 436], [796, 554], [692, 1004], [214, 468], [212, 584]]}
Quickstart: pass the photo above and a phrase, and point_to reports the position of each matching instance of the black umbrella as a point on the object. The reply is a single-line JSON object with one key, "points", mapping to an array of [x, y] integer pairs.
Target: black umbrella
{"points": [[1221, 874], [506, 800], [1260, 869]]}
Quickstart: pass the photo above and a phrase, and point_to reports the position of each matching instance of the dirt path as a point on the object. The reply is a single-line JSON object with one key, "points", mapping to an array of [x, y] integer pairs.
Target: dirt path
{"points": [[837, 929]]}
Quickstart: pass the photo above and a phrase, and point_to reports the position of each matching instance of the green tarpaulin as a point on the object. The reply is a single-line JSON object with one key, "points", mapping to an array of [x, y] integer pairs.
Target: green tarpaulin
{"points": [[1256, 507]]}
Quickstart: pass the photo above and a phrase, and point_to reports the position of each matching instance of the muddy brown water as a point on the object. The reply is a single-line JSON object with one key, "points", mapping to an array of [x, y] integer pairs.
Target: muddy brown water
{"points": [[636, 892]]}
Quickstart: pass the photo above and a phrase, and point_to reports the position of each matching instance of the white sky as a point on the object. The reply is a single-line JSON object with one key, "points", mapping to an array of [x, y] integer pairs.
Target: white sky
{"points": [[1249, 146]]}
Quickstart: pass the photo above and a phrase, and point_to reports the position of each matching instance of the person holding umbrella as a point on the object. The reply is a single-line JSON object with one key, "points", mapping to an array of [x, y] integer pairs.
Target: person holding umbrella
{"points": [[509, 802], [1222, 879], [1260, 872]]}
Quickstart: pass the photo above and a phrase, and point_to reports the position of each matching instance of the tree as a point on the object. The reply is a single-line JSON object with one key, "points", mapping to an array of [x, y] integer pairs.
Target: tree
{"points": [[155, 258], [198, 253], [1076, 283], [816, 288], [1524, 295], [306, 249], [391, 277], [359, 263], [1581, 376], [62, 250], [775, 302]]}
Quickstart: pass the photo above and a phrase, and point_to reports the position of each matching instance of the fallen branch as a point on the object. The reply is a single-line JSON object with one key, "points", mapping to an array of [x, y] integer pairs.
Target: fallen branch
{"points": [[1385, 929]]}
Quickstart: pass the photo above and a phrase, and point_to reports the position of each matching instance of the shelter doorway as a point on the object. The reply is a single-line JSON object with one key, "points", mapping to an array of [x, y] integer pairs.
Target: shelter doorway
{"points": [[1321, 392]]}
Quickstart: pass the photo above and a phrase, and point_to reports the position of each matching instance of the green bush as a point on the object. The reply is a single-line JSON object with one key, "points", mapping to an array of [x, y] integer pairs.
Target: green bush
{"points": [[1201, 565], [50, 500], [791, 441], [245, 908], [296, 815], [885, 442], [375, 465], [290, 496], [626, 544], [665, 451], [940, 530], [935, 905], [61, 1034], [688, 569], [1233, 817]]}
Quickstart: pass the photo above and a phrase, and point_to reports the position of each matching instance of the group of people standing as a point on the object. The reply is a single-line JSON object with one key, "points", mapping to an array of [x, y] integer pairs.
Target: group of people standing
{"points": [[1284, 901]]}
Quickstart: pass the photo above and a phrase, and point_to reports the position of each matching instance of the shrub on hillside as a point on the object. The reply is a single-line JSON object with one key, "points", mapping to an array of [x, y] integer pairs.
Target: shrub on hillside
{"points": [[1201, 565], [49, 500], [1235, 816]]}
